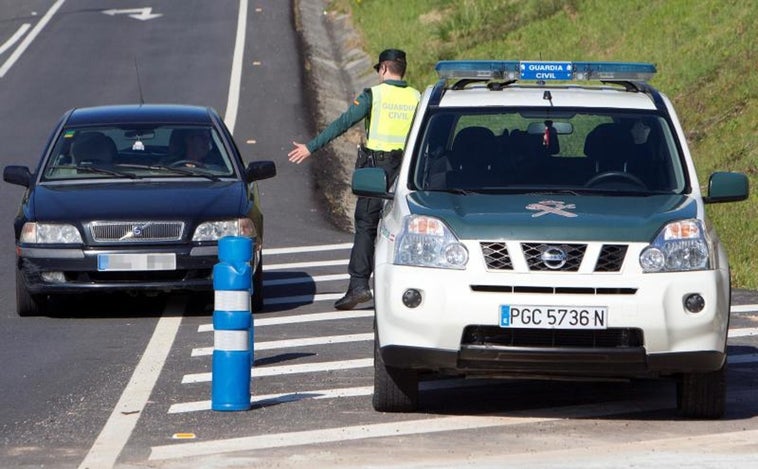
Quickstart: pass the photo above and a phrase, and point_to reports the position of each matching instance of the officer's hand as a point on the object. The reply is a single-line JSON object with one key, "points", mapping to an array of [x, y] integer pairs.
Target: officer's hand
{"points": [[299, 154]]}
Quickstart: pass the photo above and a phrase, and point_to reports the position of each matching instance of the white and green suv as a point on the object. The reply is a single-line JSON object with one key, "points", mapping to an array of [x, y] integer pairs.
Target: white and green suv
{"points": [[547, 222]]}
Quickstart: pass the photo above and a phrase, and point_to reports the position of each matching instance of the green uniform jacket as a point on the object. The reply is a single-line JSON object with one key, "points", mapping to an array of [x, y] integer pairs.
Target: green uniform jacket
{"points": [[360, 109]]}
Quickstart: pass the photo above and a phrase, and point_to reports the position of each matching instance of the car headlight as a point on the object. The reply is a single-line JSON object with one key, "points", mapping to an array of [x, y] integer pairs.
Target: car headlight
{"points": [[680, 246], [428, 242], [49, 233], [215, 230]]}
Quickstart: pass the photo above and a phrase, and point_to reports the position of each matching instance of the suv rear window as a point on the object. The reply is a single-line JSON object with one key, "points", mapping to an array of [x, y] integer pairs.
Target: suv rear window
{"points": [[528, 149]]}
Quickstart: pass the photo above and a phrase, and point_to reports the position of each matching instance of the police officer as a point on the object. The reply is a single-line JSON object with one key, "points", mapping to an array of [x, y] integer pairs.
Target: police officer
{"points": [[388, 109]]}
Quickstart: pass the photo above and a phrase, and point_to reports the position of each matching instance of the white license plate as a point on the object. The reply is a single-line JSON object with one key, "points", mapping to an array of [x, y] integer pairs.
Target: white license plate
{"points": [[554, 317], [136, 262]]}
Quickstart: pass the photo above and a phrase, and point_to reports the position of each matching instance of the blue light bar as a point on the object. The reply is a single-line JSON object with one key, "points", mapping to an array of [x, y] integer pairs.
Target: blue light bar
{"points": [[543, 70]]}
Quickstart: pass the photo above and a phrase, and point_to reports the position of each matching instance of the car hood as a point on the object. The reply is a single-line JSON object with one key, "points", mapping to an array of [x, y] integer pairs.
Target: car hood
{"points": [[553, 217], [138, 200]]}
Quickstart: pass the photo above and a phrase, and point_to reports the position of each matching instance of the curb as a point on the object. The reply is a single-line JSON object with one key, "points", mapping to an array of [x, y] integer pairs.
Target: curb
{"points": [[335, 70]]}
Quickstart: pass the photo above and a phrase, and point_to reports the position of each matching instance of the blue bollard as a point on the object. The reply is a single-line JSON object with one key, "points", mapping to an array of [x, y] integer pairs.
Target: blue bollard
{"points": [[232, 325]]}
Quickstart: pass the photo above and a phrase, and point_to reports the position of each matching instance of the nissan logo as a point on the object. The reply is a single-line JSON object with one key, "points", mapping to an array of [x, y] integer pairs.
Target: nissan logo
{"points": [[554, 257]]}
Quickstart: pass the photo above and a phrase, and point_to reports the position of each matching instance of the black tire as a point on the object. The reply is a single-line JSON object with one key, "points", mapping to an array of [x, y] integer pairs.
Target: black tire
{"points": [[257, 298], [26, 303], [395, 389], [702, 395]]}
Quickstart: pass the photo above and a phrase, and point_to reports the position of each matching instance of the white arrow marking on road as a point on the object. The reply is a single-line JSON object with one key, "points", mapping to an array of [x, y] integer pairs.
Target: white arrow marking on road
{"points": [[142, 14]]}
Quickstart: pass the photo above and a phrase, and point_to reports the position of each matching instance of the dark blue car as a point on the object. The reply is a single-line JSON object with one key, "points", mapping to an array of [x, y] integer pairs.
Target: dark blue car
{"points": [[133, 198]]}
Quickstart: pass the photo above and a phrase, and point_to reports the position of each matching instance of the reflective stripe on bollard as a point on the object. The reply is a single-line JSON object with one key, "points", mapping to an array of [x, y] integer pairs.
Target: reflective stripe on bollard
{"points": [[232, 325]]}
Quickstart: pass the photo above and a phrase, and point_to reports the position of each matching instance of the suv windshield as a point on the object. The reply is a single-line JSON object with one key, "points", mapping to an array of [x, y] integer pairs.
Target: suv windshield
{"points": [[532, 150], [137, 152]]}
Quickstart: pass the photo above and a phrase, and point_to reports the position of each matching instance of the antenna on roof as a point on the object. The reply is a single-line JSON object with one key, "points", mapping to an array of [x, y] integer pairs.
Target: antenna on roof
{"points": [[139, 82]]}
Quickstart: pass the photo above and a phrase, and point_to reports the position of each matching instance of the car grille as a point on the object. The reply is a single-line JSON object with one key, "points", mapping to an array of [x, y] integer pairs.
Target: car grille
{"points": [[136, 231], [547, 338], [538, 256]]}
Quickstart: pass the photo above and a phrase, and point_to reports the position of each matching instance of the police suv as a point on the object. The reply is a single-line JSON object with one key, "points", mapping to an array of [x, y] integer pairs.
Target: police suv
{"points": [[548, 222]]}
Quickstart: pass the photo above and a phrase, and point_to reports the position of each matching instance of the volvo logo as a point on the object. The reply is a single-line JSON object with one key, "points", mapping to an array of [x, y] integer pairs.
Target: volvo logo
{"points": [[554, 257], [136, 232]]}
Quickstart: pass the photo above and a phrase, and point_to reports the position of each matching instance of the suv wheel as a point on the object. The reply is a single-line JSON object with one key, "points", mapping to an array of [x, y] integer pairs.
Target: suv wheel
{"points": [[395, 389], [702, 395], [26, 303]]}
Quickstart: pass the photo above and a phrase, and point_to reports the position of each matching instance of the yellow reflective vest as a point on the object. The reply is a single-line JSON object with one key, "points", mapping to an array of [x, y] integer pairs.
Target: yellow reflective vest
{"points": [[392, 110]]}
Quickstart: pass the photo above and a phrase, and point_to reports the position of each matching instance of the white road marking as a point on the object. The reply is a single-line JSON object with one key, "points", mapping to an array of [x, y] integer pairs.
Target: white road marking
{"points": [[396, 429], [270, 399], [292, 343], [29, 38], [16, 36], [260, 371], [123, 419], [232, 103], [743, 332], [301, 318], [744, 309], [305, 279], [315, 248], [285, 300], [305, 265]]}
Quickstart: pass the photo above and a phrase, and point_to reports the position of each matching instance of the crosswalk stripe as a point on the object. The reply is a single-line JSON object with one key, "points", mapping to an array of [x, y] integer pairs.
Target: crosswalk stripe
{"points": [[258, 372], [292, 343], [305, 265], [299, 249], [301, 318], [305, 279]]}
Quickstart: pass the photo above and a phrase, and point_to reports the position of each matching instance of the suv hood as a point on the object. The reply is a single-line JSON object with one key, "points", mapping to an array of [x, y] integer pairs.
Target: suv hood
{"points": [[553, 217], [149, 200]]}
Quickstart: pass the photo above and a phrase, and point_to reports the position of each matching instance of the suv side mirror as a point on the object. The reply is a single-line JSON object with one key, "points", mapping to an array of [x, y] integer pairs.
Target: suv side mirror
{"points": [[727, 187], [371, 182], [258, 170], [18, 175]]}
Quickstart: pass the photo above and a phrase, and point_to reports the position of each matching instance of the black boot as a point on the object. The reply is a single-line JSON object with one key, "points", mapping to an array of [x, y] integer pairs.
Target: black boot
{"points": [[353, 298]]}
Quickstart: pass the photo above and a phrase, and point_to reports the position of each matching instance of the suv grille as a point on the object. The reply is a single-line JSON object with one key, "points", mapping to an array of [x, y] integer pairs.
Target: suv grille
{"points": [[546, 338], [553, 257], [136, 231]]}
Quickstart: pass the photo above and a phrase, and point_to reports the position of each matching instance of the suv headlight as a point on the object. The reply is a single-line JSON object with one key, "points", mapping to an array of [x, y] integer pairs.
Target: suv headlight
{"points": [[680, 246], [49, 233], [427, 242], [215, 230]]}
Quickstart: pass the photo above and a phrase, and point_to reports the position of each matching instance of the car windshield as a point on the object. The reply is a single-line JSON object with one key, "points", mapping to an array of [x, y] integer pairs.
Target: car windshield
{"points": [[526, 150], [138, 152]]}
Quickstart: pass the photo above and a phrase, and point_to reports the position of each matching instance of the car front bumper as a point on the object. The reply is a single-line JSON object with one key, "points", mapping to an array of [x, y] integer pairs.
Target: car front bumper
{"points": [[456, 328], [75, 270]]}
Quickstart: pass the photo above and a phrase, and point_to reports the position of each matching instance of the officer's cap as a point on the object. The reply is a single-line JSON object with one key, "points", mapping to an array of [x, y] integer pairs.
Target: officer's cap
{"points": [[392, 55]]}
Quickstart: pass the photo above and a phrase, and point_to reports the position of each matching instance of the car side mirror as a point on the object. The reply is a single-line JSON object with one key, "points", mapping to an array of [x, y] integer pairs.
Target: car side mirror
{"points": [[727, 187], [258, 170], [19, 175]]}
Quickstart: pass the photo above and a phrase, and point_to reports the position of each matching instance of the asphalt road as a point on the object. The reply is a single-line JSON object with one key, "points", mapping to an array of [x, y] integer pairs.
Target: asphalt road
{"points": [[125, 382]]}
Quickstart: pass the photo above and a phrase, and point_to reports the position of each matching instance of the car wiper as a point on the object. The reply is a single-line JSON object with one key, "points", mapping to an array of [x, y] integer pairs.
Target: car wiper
{"points": [[101, 170], [169, 169]]}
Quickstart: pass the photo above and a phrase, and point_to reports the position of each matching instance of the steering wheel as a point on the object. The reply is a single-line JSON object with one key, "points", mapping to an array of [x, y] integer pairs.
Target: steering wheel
{"points": [[187, 164], [604, 177]]}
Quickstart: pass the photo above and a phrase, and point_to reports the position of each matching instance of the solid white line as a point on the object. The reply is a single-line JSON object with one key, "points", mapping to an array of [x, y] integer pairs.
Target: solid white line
{"points": [[744, 308], [395, 429], [258, 372], [305, 279], [123, 419], [232, 104], [315, 248], [291, 343], [29, 38], [305, 265], [270, 399], [12, 40], [300, 318]]}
